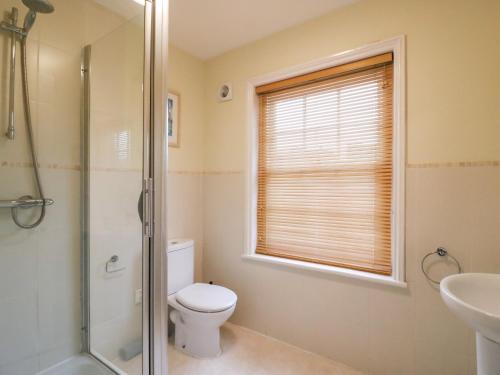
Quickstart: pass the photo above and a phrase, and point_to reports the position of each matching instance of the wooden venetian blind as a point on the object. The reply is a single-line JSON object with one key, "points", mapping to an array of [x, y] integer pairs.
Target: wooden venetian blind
{"points": [[325, 166]]}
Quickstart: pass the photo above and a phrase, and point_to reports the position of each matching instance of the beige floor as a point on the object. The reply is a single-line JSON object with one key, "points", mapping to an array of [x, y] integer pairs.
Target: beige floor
{"points": [[246, 352]]}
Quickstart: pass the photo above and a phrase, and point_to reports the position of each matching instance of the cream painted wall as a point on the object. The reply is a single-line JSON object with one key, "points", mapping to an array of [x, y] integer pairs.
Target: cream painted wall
{"points": [[453, 91], [452, 85], [185, 180], [186, 77]]}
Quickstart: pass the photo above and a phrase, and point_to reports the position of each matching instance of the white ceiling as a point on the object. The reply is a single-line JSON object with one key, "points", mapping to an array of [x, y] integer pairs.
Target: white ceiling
{"points": [[207, 28]]}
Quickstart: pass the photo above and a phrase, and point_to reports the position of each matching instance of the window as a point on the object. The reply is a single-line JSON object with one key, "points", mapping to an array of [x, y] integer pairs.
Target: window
{"points": [[325, 170]]}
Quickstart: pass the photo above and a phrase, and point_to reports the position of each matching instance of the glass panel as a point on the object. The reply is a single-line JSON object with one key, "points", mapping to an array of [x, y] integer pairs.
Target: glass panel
{"points": [[115, 152], [41, 309]]}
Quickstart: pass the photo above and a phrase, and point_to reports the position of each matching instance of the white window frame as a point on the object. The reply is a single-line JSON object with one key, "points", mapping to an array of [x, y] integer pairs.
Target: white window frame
{"points": [[395, 45]]}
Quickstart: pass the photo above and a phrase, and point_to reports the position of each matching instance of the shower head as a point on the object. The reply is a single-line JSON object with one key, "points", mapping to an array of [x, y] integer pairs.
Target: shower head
{"points": [[35, 6], [39, 6]]}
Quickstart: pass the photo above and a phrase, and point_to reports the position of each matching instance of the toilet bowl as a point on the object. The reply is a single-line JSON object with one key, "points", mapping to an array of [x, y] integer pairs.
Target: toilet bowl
{"points": [[198, 310]]}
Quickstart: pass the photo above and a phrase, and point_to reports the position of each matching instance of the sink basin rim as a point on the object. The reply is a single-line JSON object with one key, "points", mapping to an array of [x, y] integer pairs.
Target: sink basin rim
{"points": [[444, 288]]}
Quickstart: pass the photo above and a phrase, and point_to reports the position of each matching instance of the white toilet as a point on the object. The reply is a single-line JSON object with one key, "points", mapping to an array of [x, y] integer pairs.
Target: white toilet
{"points": [[198, 309]]}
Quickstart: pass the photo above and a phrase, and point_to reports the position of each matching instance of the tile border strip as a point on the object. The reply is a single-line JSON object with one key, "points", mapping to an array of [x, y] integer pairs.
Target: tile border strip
{"points": [[74, 167], [77, 167], [458, 164], [27, 164], [204, 173]]}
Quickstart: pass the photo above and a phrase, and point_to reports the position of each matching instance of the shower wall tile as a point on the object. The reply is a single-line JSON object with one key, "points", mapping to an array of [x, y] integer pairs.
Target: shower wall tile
{"points": [[116, 230], [21, 367], [63, 351], [58, 302], [116, 118], [40, 271], [18, 324], [40, 268], [93, 15], [58, 106], [66, 30], [116, 161], [18, 270], [110, 335]]}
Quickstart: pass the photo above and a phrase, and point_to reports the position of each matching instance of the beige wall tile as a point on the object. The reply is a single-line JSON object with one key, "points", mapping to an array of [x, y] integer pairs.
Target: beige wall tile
{"points": [[41, 308], [356, 322]]}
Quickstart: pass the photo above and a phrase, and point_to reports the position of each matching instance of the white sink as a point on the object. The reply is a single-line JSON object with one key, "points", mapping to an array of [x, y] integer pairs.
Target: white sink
{"points": [[475, 298]]}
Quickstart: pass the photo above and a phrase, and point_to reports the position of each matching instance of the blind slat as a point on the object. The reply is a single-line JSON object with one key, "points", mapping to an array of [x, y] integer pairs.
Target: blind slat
{"points": [[325, 166]]}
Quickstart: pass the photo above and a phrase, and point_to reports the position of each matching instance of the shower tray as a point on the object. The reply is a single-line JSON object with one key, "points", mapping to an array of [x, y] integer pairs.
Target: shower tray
{"points": [[77, 365]]}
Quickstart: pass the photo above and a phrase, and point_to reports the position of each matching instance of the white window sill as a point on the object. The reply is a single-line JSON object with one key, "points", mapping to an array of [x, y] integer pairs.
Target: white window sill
{"points": [[345, 272]]}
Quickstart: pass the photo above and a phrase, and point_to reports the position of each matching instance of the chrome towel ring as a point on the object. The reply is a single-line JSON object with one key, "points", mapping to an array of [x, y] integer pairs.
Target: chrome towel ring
{"points": [[442, 252]]}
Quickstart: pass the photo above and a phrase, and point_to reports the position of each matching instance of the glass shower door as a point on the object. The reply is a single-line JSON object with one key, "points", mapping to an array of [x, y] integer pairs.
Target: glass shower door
{"points": [[113, 67], [82, 291]]}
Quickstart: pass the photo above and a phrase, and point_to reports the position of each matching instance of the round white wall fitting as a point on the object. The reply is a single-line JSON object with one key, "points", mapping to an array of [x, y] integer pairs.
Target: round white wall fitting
{"points": [[225, 92]]}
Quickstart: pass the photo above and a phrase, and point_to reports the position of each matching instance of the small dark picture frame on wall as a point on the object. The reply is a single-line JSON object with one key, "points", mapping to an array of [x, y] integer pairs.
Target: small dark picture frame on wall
{"points": [[173, 119]]}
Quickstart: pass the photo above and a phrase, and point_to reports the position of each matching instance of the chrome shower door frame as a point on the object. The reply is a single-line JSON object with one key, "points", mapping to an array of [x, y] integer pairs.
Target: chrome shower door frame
{"points": [[155, 150], [158, 325]]}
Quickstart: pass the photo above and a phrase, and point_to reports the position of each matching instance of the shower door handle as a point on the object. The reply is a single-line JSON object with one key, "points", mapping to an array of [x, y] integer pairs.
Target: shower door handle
{"points": [[140, 206], [146, 207]]}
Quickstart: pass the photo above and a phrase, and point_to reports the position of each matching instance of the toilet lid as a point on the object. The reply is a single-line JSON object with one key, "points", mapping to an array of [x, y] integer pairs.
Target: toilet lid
{"points": [[206, 297]]}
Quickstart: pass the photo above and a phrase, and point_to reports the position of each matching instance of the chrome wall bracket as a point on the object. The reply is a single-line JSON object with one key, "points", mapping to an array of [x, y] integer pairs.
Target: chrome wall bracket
{"points": [[14, 31]]}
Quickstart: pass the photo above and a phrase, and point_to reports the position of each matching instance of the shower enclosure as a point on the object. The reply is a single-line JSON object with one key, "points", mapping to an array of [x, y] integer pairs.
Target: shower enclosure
{"points": [[82, 155]]}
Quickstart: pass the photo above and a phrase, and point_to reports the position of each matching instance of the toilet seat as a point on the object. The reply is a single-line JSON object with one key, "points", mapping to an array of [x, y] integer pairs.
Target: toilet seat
{"points": [[206, 298]]}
